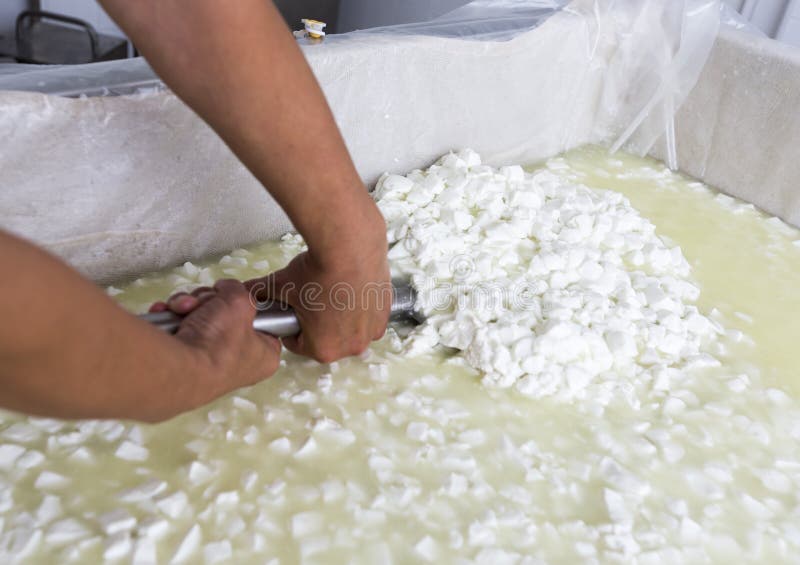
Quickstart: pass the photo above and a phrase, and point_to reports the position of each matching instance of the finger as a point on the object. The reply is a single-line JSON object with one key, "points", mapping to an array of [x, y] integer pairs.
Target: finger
{"points": [[326, 353], [201, 290], [270, 358], [182, 303], [157, 307], [229, 288], [379, 333], [204, 297], [227, 300], [295, 344], [235, 295], [271, 342]]}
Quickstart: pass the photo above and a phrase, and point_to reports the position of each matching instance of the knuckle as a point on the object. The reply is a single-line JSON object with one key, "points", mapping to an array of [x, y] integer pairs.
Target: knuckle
{"points": [[240, 299], [380, 333], [358, 344], [326, 355], [226, 286]]}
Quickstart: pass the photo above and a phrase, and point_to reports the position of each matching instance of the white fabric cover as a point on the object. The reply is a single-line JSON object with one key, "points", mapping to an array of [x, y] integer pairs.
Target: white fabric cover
{"points": [[121, 185]]}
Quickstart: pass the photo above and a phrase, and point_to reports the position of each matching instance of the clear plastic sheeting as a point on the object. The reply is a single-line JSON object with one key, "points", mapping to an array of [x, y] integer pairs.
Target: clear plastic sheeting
{"points": [[654, 76], [120, 185], [739, 128], [110, 78], [482, 20]]}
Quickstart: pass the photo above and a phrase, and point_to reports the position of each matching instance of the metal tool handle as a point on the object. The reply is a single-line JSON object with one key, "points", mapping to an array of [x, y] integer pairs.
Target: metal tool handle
{"points": [[279, 320]]}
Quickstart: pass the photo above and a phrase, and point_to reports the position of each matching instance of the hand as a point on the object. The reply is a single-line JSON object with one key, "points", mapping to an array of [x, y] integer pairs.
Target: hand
{"points": [[219, 326], [342, 304]]}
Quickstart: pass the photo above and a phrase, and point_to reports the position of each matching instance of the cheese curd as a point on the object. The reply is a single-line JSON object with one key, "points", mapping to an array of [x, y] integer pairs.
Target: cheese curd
{"points": [[651, 413], [545, 284]]}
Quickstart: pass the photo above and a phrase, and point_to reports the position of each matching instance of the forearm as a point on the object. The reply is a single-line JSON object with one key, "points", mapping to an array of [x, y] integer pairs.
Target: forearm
{"points": [[67, 350], [237, 65]]}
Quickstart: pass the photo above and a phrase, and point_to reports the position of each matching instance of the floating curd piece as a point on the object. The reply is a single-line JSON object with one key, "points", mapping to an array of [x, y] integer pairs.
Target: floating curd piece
{"points": [[332, 490], [117, 546], [189, 546], [48, 480], [49, 509], [117, 520], [22, 432], [249, 480], [217, 416], [174, 505], [144, 491], [282, 446], [189, 270], [776, 481], [200, 473], [304, 524], [244, 404], [379, 372], [130, 451], [218, 551], [23, 543], [68, 530], [9, 453], [144, 553], [417, 431], [427, 549], [113, 291], [227, 500], [308, 449], [82, 454], [309, 547], [228, 261], [456, 485], [153, 529], [304, 397], [261, 266], [336, 437]]}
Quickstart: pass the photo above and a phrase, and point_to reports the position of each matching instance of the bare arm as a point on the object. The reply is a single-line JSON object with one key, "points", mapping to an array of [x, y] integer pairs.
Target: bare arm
{"points": [[67, 350], [237, 65]]}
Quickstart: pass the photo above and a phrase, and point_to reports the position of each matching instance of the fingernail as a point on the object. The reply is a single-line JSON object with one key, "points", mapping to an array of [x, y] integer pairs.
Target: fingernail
{"points": [[183, 304]]}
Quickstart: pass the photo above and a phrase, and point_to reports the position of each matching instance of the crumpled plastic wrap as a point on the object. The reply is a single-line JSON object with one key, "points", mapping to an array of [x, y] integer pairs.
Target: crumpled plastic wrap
{"points": [[739, 129], [120, 185]]}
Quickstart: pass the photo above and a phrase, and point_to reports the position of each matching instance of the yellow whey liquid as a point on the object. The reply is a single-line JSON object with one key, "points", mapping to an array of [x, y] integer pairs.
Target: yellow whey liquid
{"points": [[391, 458]]}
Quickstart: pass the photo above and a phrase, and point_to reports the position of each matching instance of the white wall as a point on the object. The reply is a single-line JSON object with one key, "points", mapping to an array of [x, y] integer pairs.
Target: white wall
{"points": [[294, 10], [777, 18], [88, 10], [361, 14], [766, 14], [9, 10], [789, 29], [91, 11], [735, 4]]}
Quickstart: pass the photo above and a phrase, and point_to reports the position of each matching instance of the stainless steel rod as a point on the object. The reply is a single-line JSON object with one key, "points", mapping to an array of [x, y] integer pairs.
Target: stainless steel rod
{"points": [[279, 320]]}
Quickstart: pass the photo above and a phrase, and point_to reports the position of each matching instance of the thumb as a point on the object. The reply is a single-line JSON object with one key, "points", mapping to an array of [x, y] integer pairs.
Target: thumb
{"points": [[295, 344]]}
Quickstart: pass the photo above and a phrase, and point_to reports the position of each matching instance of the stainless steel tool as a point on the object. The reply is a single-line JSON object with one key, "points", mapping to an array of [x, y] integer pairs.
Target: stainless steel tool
{"points": [[279, 319]]}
